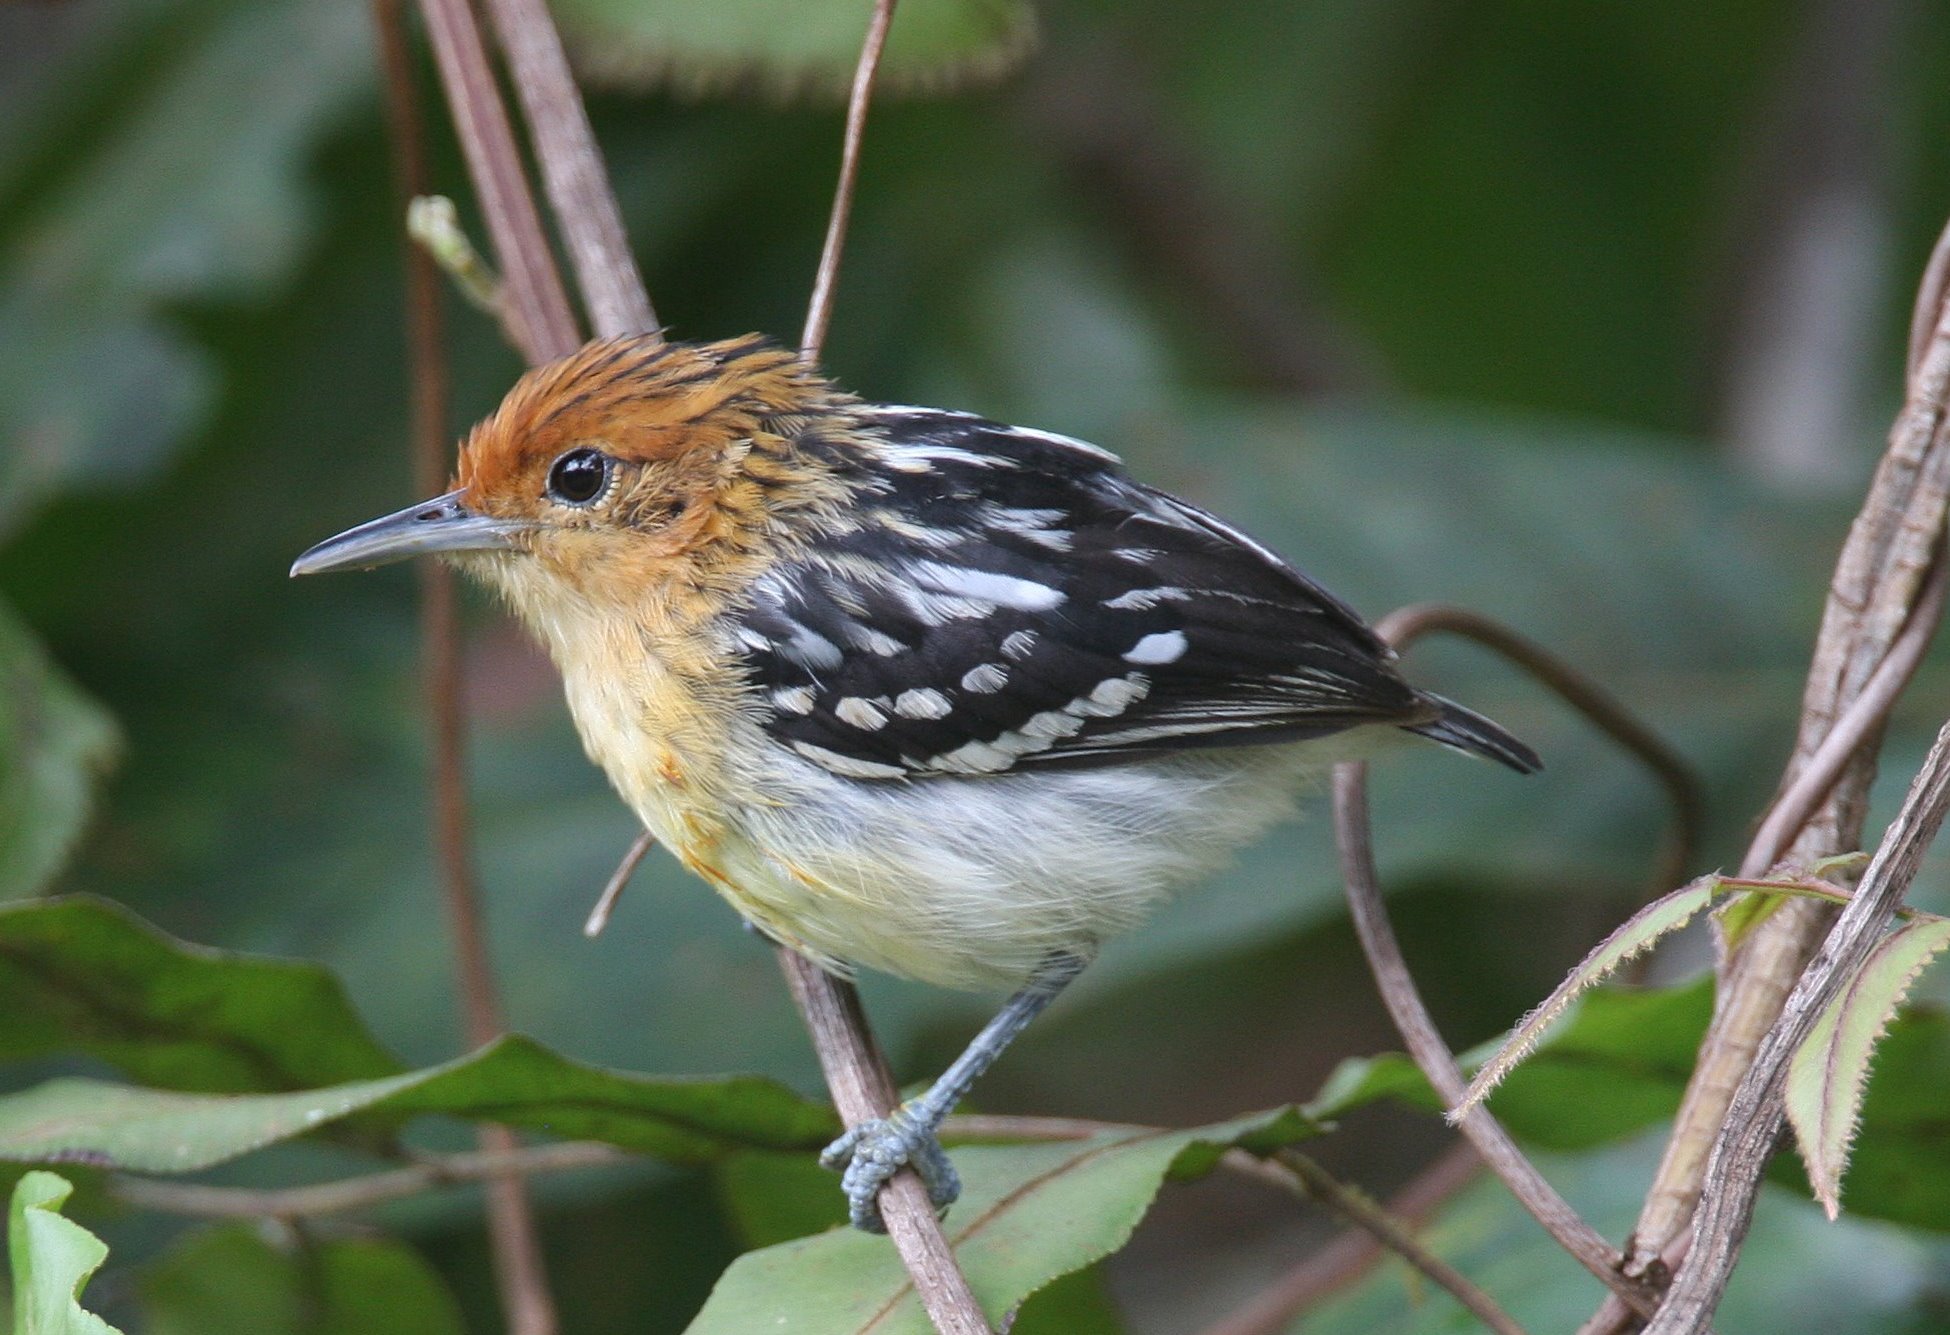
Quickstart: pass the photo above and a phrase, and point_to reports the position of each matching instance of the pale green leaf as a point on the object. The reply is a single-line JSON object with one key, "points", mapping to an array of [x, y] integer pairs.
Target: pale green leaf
{"points": [[1829, 1073], [55, 743], [52, 1258], [792, 46], [513, 1081], [1636, 935], [1028, 1214]]}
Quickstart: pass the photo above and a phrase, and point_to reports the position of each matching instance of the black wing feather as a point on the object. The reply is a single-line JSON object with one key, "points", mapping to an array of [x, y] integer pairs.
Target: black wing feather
{"points": [[1015, 600]]}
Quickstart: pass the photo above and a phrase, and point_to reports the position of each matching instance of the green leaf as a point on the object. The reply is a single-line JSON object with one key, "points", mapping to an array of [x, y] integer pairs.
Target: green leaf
{"points": [[52, 1259], [170, 145], [54, 744], [512, 1080], [231, 1281], [1830, 1071], [1028, 1214], [793, 46], [79, 974]]}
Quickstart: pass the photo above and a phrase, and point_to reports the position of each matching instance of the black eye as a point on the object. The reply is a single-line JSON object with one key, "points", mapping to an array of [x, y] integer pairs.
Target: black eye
{"points": [[579, 476]]}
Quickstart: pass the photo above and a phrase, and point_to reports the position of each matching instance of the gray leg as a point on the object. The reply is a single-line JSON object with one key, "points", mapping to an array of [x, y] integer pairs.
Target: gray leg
{"points": [[875, 1150]]}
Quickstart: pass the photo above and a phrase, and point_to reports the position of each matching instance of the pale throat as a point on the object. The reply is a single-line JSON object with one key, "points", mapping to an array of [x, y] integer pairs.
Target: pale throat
{"points": [[638, 692]]}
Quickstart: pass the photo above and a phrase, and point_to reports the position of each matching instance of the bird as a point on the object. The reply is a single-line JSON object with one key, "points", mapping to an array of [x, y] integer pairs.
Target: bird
{"points": [[914, 690]]}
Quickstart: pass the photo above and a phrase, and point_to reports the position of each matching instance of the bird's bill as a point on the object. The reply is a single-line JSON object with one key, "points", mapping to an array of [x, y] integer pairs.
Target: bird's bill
{"points": [[442, 524]]}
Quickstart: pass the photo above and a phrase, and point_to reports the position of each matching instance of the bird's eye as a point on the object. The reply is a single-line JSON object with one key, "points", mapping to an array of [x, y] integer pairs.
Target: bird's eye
{"points": [[579, 477]]}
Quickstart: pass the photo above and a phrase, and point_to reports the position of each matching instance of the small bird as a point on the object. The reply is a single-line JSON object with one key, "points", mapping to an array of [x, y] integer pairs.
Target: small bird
{"points": [[914, 690]]}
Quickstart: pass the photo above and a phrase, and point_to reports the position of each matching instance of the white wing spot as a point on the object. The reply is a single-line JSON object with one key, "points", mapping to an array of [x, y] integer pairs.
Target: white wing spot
{"points": [[1002, 590], [923, 702], [793, 700], [847, 765], [1017, 644], [1143, 600], [986, 679], [862, 714], [1053, 724], [1112, 696], [973, 758], [1167, 646]]}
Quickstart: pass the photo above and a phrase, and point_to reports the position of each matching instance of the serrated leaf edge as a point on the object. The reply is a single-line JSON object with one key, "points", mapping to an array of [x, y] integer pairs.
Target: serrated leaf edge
{"points": [[1829, 1073]]}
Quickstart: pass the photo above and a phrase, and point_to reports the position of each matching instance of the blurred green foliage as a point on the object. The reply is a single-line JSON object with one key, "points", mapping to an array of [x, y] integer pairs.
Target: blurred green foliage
{"points": [[1492, 252]]}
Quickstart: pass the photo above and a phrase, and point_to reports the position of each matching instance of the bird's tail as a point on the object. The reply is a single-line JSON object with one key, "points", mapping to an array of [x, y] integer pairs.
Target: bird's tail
{"points": [[1466, 730]]}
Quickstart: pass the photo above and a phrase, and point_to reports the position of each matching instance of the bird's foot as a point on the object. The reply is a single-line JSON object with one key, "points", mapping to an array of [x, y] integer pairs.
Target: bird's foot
{"points": [[872, 1152]]}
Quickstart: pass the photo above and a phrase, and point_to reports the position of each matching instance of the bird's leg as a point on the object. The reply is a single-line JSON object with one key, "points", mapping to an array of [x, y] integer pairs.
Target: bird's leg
{"points": [[875, 1150]]}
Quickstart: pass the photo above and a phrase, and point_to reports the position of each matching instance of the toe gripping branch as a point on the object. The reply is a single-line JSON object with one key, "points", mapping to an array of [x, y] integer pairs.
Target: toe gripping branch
{"points": [[872, 1152]]}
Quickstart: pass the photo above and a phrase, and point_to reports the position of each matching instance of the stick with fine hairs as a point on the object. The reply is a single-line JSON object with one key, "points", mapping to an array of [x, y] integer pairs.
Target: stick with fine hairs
{"points": [[1752, 1128], [1884, 603], [514, 1241]]}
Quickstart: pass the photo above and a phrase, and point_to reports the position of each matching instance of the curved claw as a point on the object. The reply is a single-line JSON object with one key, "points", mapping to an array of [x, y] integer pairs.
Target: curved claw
{"points": [[872, 1152]]}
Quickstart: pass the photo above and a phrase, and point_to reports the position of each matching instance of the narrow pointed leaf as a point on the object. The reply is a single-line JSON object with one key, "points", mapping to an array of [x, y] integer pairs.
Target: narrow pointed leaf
{"points": [[1830, 1072], [1617, 1063], [52, 1259], [513, 1081], [1636, 935], [1028, 1214]]}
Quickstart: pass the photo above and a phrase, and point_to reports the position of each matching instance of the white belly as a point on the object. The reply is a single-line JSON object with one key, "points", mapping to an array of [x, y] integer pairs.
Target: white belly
{"points": [[973, 882]]}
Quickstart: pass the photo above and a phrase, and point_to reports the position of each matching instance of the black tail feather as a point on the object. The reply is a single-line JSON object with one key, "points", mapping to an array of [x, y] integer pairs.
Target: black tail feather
{"points": [[1466, 730]]}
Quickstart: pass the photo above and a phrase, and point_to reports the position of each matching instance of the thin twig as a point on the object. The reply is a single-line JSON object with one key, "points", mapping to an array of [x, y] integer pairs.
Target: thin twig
{"points": [[1425, 1044], [366, 1190], [535, 308], [519, 1268], [572, 170], [1408, 624], [840, 1037], [1345, 1260], [1752, 1127], [606, 902], [1863, 717], [863, 1089], [819, 311], [1307, 1178], [434, 223]]}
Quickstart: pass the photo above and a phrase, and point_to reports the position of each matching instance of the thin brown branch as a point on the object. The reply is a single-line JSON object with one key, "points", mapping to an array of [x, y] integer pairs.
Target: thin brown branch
{"points": [[1342, 1262], [1307, 1178], [534, 306], [1877, 597], [572, 170], [1753, 1123], [863, 1089], [819, 311], [1408, 624], [861, 1085], [366, 1190], [519, 1268], [1425, 1044], [1863, 718], [606, 902]]}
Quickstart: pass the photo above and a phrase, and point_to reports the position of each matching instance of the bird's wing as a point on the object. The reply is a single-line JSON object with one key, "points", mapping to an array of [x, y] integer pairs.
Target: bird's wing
{"points": [[1011, 599]]}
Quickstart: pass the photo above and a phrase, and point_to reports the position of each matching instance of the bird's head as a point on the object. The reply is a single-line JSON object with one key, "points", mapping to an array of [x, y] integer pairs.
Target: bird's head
{"points": [[632, 466]]}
